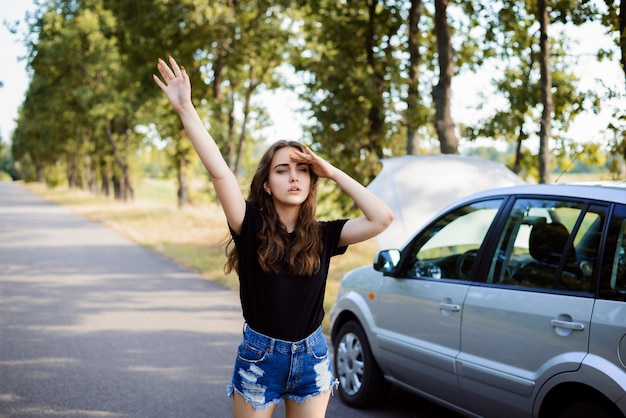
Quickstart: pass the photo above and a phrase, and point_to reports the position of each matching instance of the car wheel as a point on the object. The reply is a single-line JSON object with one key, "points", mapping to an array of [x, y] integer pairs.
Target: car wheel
{"points": [[361, 383], [585, 410]]}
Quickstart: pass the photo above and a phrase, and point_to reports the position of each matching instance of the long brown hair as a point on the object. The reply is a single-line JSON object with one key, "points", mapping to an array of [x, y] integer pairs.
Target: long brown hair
{"points": [[300, 253]]}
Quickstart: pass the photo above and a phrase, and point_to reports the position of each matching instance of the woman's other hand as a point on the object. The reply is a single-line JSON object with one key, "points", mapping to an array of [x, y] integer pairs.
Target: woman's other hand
{"points": [[175, 84]]}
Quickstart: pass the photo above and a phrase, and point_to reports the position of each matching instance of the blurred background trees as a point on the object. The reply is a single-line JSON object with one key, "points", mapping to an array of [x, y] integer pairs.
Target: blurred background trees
{"points": [[374, 80]]}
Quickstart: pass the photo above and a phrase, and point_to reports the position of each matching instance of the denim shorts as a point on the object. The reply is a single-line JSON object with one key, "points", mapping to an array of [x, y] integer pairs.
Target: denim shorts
{"points": [[268, 370]]}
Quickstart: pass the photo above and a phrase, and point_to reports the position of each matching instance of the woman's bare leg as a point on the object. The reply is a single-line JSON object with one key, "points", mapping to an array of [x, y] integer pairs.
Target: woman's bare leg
{"points": [[243, 409], [314, 407]]}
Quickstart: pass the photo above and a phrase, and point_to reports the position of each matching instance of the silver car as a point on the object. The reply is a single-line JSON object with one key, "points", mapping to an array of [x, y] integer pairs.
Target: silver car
{"points": [[511, 302]]}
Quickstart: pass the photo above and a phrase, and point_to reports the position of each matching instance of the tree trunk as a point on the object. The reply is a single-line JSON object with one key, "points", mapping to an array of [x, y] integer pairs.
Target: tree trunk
{"points": [[412, 100], [375, 116], [444, 125], [70, 168], [183, 188], [39, 171], [227, 45], [622, 38], [244, 124], [90, 173], [117, 190], [546, 93], [521, 137], [124, 189], [105, 177], [517, 165]]}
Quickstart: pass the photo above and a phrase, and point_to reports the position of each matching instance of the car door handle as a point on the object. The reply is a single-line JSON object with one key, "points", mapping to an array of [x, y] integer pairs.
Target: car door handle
{"points": [[576, 326], [450, 307]]}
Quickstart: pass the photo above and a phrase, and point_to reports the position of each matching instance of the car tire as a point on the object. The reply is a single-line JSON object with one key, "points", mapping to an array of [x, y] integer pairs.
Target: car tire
{"points": [[585, 410], [361, 383]]}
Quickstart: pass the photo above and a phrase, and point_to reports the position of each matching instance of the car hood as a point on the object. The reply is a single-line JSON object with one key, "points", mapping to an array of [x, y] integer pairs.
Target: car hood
{"points": [[417, 187]]}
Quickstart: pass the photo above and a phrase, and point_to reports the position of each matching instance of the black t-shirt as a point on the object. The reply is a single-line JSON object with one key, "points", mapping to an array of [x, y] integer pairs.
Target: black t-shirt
{"points": [[281, 305]]}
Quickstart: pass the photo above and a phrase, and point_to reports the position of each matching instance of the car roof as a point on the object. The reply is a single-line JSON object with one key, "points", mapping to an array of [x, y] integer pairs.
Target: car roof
{"points": [[607, 191]]}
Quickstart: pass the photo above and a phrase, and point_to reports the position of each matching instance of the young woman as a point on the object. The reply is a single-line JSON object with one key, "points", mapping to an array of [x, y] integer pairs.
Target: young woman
{"points": [[281, 254]]}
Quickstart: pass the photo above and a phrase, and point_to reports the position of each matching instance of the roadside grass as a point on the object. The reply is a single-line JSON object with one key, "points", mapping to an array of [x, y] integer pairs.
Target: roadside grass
{"points": [[193, 237]]}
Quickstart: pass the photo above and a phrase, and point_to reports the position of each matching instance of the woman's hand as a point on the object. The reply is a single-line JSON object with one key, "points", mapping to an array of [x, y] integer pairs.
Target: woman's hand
{"points": [[320, 167], [176, 85], [377, 215]]}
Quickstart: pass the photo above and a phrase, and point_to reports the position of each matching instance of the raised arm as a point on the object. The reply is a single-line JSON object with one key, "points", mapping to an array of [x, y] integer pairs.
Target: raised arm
{"points": [[377, 215], [177, 88]]}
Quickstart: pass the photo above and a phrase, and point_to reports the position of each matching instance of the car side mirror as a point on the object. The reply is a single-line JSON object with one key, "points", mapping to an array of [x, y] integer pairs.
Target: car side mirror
{"points": [[386, 261]]}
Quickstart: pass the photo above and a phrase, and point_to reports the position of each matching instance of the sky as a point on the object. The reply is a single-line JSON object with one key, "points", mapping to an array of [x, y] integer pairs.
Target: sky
{"points": [[282, 106]]}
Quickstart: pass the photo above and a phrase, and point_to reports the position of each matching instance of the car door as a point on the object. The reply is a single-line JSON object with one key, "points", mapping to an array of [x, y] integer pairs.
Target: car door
{"points": [[419, 313], [608, 341], [530, 319]]}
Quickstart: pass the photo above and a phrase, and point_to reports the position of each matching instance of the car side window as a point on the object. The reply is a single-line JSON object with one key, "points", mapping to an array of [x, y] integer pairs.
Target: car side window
{"points": [[549, 244], [613, 276], [447, 249]]}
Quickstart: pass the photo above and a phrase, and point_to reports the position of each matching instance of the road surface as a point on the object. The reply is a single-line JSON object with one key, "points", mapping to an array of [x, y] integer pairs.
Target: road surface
{"points": [[92, 325]]}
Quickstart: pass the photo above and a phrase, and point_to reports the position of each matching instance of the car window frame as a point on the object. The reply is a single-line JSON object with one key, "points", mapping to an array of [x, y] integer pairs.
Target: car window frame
{"points": [[400, 272], [488, 252], [609, 251]]}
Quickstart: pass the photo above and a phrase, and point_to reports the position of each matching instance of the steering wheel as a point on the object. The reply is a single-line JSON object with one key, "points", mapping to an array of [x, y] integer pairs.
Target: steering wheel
{"points": [[464, 263]]}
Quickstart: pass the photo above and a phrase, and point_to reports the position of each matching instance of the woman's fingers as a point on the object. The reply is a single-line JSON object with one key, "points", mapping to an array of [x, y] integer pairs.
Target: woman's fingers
{"points": [[158, 81], [319, 166], [175, 67], [307, 155], [168, 73], [165, 70]]}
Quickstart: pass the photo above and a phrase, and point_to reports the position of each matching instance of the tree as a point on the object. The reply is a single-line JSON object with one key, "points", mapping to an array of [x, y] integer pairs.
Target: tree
{"points": [[366, 67], [620, 130], [414, 107], [348, 56], [546, 92], [615, 21], [33, 137], [77, 94], [444, 125], [511, 31], [392, 50], [230, 51], [576, 12], [145, 31]]}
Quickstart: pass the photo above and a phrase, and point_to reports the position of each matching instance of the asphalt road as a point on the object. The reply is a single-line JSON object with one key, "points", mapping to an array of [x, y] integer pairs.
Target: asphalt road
{"points": [[92, 325]]}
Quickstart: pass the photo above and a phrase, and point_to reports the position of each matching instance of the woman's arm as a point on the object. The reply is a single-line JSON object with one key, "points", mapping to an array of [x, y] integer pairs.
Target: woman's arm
{"points": [[377, 215], [177, 88]]}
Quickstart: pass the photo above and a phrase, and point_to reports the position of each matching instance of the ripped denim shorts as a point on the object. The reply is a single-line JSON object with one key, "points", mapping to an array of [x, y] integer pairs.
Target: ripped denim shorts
{"points": [[268, 370]]}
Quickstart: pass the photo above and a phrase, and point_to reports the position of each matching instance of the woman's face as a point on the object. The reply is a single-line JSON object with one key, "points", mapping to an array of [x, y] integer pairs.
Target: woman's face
{"points": [[289, 183]]}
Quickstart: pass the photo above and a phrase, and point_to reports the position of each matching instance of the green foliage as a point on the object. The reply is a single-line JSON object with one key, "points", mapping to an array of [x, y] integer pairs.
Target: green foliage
{"points": [[349, 56], [617, 144], [93, 118], [229, 50], [7, 167], [488, 153], [515, 41], [76, 107]]}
